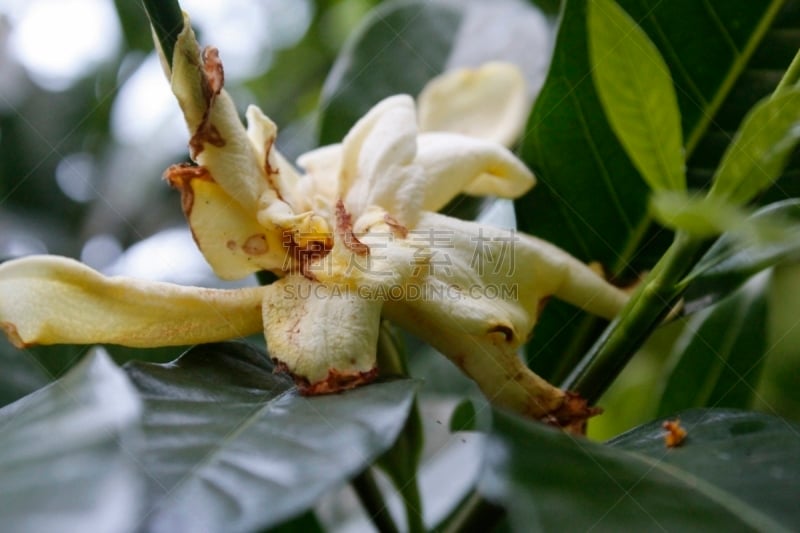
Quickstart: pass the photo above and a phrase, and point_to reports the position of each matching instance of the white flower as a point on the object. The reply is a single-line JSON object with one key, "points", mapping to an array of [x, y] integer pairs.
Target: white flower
{"points": [[353, 239]]}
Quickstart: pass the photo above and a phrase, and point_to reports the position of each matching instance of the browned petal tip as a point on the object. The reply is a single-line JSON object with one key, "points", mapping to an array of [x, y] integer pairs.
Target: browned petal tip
{"points": [[13, 335], [336, 380], [572, 414]]}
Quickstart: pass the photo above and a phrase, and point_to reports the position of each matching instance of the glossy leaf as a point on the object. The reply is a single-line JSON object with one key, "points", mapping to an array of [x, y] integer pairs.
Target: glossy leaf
{"points": [[732, 261], [760, 150], [590, 199], [231, 446], [403, 44], [65, 463], [717, 360], [734, 472], [636, 90]]}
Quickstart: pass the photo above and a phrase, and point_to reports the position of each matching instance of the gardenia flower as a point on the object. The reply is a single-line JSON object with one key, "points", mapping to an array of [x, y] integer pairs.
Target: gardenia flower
{"points": [[353, 239]]}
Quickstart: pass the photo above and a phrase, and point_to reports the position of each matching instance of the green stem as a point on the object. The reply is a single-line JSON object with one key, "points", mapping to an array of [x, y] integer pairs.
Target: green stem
{"points": [[656, 296], [791, 77], [401, 461], [166, 19], [372, 499], [474, 514]]}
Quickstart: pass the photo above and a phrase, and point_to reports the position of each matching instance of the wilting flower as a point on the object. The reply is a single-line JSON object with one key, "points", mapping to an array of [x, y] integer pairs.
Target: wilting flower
{"points": [[353, 239]]}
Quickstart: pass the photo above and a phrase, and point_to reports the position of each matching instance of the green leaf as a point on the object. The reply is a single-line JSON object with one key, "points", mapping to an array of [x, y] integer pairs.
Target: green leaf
{"points": [[65, 464], [463, 417], [21, 373], [735, 472], [732, 261], [717, 360], [403, 44], [590, 199], [231, 446], [635, 88], [760, 150], [698, 215]]}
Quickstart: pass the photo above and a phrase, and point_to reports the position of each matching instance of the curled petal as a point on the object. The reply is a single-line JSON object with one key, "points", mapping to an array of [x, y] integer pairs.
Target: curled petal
{"points": [[453, 164], [377, 154], [219, 141], [324, 335], [489, 103], [481, 298], [320, 186], [281, 175], [55, 300], [231, 239]]}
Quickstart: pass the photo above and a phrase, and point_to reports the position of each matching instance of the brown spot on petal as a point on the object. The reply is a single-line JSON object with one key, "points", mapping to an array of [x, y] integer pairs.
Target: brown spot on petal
{"points": [[339, 381], [213, 80], [572, 414], [344, 230], [398, 230], [506, 331], [231, 244], [13, 335], [255, 245], [336, 381], [214, 73], [180, 177]]}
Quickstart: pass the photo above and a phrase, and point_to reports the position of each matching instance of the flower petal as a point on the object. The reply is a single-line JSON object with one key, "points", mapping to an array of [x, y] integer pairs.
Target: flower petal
{"points": [[377, 154], [55, 300], [482, 296], [489, 102], [324, 334], [219, 141], [280, 173], [231, 239], [453, 164]]}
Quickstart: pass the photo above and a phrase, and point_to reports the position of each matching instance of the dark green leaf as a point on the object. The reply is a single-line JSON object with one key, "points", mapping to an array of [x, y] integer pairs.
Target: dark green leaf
{"points": [[635, 88], [760, 150], [64, 465], [21, 373], [231, 446], [731, 261], [403, 44], [717, 360], [463, 417], [735, 472], [590, 200]]}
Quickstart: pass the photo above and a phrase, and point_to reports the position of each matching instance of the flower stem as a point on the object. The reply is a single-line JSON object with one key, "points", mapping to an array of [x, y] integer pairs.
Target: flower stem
{"points": [[166, 19], [371, 498], [651, 302], [473, 514]]}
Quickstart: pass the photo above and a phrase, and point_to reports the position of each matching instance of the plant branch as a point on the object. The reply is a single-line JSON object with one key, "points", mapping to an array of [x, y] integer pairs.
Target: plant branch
{"points": [[474, 514], [791, 77], [646, 308], [372, 499], [166, 19]]}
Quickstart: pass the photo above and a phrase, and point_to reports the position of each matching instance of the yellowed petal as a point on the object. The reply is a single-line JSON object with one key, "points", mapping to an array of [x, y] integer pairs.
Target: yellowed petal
{"points": [[218, 138], [55, 300], [481, 297], [377, 154], [325, 335], [280, 173], [231, 239], [489, 102], [453, 164]]}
